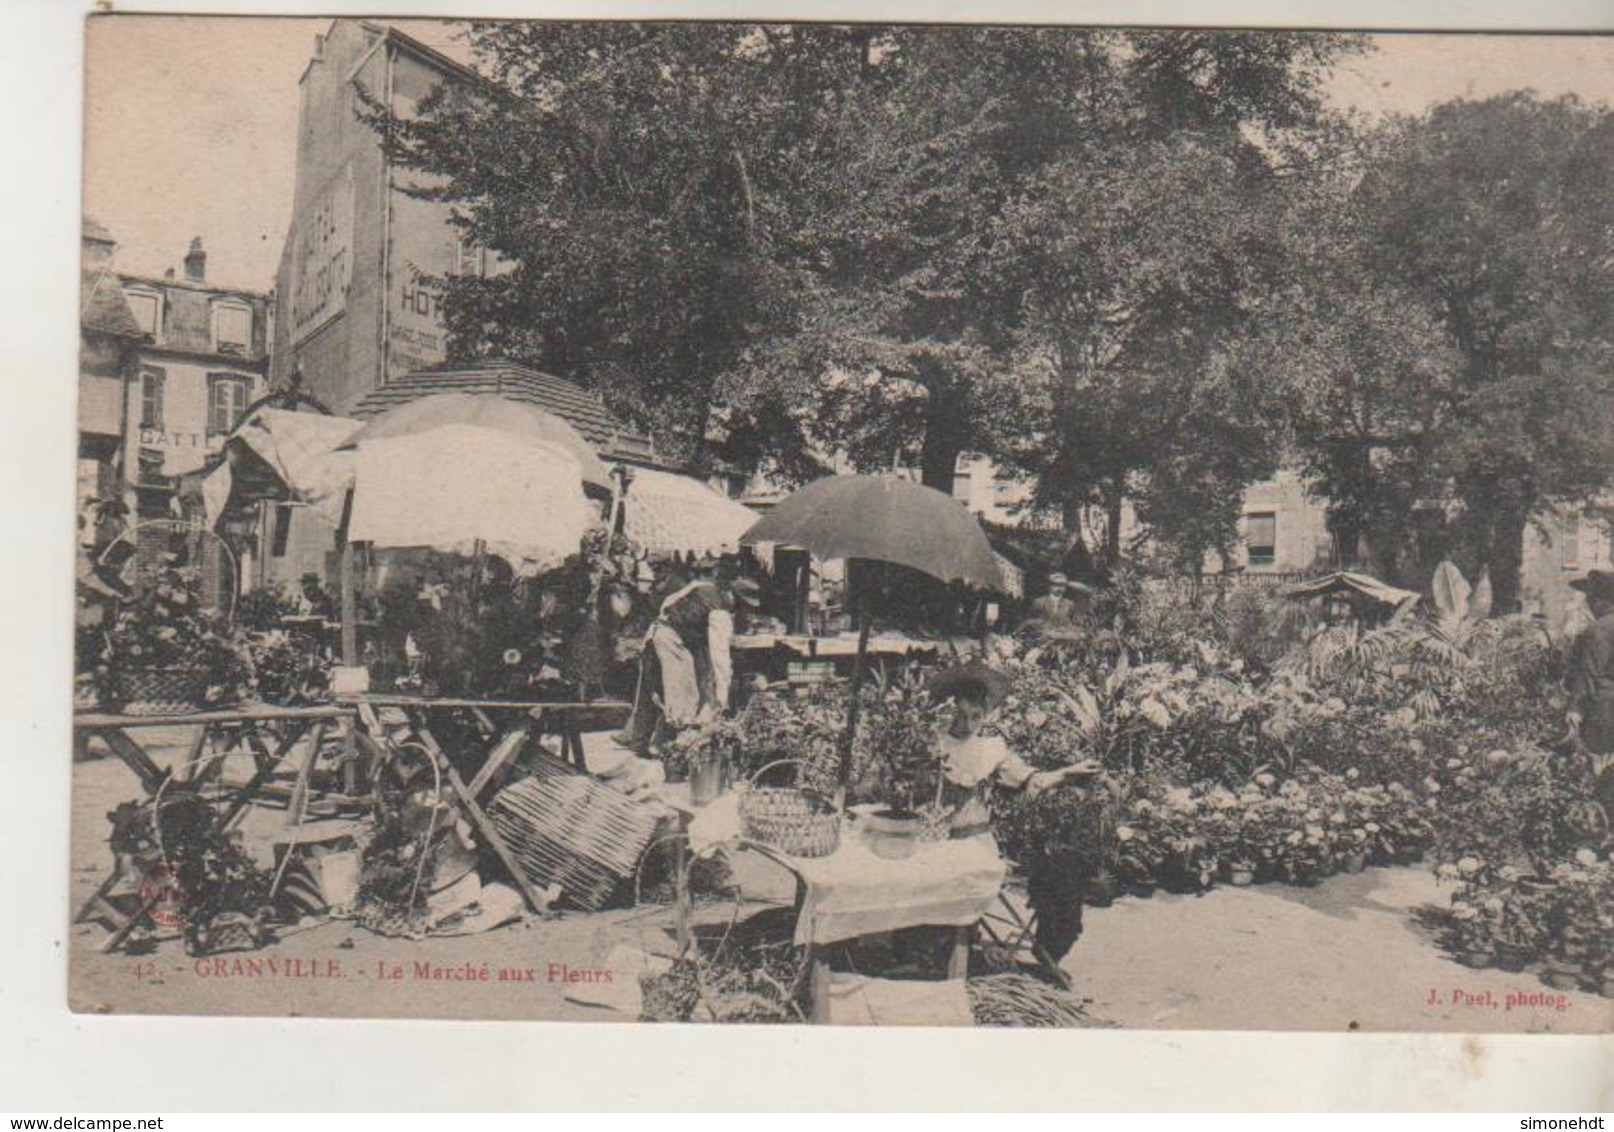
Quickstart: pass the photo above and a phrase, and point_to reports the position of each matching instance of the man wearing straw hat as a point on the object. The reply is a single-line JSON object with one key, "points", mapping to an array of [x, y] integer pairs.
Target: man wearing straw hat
{"points": [[1057, 609], [972, 762], [1591, 680]]}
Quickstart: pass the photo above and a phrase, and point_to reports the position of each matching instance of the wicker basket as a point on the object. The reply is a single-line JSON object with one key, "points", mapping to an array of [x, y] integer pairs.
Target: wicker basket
{"points": [[790, 819], [175, 690]]}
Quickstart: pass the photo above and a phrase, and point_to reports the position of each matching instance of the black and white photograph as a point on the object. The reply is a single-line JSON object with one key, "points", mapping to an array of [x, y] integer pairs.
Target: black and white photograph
{"points": [[844, 523]]}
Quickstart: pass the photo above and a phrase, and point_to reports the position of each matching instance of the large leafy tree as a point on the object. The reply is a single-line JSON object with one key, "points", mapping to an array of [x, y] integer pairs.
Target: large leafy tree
{"points": [[641, 182], [1462, 330], [1145, 258], [786, 241]]}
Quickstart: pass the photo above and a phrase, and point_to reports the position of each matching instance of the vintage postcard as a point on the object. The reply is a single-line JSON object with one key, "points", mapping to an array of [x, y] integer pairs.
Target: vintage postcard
{"points": [[853, 524]]}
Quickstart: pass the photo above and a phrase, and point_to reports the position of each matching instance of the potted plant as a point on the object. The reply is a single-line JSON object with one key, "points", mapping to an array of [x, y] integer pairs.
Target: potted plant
{"points": [[165, 654]]}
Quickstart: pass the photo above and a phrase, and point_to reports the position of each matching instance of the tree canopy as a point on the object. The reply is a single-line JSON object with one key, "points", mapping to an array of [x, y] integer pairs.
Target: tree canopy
{"points": [[1131, 266]]}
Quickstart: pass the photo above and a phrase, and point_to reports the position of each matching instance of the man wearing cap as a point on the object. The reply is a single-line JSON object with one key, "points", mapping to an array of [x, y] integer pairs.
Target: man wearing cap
{"points": [[971, 763], [1056, 609], [1591, 675], [314, 601], [686, 670]]}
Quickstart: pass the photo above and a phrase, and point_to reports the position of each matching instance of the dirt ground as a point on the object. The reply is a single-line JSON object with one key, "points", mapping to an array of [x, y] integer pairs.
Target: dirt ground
{"points": [[1346, 955]]}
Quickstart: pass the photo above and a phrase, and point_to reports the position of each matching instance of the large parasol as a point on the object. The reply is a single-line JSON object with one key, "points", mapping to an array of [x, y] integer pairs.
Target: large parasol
{"points": [[667, 513], [494, 414], [467, 474], [880, 519], [884, 519]]}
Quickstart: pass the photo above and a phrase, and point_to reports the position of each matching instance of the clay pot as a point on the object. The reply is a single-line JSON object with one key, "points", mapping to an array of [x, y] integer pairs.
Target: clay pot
{"points": [[1560, 975], [894, 834], [1355, 862], [1240, 876]]}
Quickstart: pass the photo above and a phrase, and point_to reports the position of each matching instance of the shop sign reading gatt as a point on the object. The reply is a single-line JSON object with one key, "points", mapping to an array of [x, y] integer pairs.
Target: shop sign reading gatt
{"points": [[322, 265]]}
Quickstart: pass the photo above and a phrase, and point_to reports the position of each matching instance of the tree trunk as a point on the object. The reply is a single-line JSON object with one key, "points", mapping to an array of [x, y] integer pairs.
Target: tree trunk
{"points": [[947, 435], [1345, 525], [1506, 557], [1113, 500]]}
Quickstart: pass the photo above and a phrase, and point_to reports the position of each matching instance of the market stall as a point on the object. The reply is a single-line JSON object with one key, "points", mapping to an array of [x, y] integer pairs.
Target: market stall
{"points": [[270, 735], [878, 520], [857, 890]]}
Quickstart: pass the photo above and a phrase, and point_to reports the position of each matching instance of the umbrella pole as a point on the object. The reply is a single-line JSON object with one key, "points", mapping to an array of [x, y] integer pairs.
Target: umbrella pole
{"points": [[349, 592], [859, 664]]}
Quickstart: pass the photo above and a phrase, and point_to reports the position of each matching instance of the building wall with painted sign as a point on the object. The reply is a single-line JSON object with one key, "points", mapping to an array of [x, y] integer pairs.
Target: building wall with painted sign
{"points": [[329, 283], [360, 250]]}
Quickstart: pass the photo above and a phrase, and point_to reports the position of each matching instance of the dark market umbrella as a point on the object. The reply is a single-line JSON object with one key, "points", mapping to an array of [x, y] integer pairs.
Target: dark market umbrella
{"points": [[883, 519], [880, 519]]}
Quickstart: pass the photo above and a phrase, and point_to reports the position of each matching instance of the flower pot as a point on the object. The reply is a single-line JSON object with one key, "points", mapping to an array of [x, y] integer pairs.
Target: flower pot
{"points": [[706, 778], [1561, 975], [1354, 862], [1511, 958], [894, 834], [1242, 876], [1605, 986], [1478, 959], [1101, 890]]}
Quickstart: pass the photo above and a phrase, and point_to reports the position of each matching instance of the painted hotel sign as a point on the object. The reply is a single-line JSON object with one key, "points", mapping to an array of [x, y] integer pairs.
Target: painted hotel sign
{"points": [[322, 258]]}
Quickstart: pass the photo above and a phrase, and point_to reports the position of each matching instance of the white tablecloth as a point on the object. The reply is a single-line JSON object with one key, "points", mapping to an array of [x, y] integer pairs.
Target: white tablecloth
{"points": [[853, 892]]}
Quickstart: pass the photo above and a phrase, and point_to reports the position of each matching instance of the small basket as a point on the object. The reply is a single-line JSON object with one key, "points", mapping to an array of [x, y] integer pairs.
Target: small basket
{"points": [[790, 819], [175, 690]]}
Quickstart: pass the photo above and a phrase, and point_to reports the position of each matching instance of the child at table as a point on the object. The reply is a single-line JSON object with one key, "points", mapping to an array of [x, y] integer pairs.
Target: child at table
{"points": [[971, 763]]}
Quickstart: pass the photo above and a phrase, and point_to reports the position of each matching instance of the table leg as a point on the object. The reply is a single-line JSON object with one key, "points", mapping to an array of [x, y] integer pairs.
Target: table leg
{"points": [[498, 757], [266, 762], [958, 960], [574, 743], [114, 941], [134, 757], [192, 766], [479, 821], [681, 897], [298, 803], [818, 983]]}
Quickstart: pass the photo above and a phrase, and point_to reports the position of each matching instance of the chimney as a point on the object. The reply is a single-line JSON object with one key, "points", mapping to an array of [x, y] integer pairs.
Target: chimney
{"points": [[196, 262]]}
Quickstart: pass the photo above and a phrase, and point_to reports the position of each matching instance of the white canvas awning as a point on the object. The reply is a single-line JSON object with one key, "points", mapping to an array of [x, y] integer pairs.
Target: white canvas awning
{"points": [[669, 513], [302, 450], [454, 487]]}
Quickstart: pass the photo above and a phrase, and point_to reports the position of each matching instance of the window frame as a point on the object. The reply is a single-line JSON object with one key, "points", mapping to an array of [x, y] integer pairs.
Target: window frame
{"points": [[477, 255], [132, 294], [157, 376], [1268, 556], [220, 307], [215, 382], [279, 530], [1569, 539]]}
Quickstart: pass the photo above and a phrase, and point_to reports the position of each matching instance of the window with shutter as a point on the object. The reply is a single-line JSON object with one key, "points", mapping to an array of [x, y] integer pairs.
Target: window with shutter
{"points": [[1261, 538], [152, 382], [226, 401]]}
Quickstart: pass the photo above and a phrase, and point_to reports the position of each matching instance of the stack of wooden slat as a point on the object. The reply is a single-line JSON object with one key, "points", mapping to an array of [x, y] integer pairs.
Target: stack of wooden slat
{"points": [[566, 829]]}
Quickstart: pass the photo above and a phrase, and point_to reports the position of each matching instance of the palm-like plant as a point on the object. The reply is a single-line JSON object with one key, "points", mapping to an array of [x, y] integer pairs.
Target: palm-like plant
{"points": [[1427, 661]]}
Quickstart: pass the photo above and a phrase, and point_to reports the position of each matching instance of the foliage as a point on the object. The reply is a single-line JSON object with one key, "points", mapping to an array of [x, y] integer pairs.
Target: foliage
{"points": [[287, 668], [1514, 917], [884, 240], [1486, 223], [263, 609], [169, 628]]}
